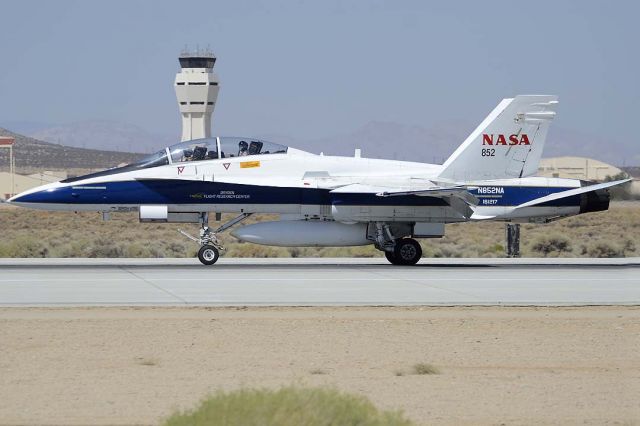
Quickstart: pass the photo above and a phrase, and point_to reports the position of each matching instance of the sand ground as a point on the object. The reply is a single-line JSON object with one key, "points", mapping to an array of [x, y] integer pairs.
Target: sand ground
{"points": [[497, 365]]}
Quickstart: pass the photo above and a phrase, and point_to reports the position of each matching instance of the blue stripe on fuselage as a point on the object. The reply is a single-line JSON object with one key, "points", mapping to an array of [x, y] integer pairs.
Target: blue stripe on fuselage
{"points": [[146, 192], [515, 195]]}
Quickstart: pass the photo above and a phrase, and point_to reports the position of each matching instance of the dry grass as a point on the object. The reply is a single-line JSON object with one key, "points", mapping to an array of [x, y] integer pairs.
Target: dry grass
{"points": [[149, 362], [419, 369], [30, 233], [286, 406], [424, 369]]}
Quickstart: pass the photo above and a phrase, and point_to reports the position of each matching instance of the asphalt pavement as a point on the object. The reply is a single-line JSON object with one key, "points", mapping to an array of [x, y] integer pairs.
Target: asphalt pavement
{"points": [[318, 282]]}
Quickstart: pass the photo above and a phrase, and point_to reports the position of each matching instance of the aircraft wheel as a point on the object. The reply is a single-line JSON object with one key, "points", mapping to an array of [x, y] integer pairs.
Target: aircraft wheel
{"points": [[407, 251], [391, 257], [208, 255]]}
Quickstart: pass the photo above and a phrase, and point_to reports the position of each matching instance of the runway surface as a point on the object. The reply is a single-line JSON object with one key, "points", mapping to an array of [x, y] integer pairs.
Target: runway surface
{"points": [[318, 282]]}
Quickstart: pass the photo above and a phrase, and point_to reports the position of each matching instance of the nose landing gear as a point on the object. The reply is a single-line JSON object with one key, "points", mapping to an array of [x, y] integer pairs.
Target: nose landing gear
{"points": [[210, 246], [208, 255]]}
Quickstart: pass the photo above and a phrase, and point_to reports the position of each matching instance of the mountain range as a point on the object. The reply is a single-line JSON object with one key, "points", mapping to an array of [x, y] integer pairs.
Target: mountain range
{"points": [[95, 134], [376, 139], [379, 139], [32, 155]]}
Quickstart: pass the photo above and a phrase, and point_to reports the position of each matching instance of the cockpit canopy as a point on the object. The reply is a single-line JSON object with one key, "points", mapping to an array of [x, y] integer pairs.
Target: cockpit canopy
{"points": [[210, 149], [197, 150]]}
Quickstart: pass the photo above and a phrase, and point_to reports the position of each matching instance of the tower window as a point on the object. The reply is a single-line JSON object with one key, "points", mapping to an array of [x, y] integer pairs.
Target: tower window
{"points": [[213, 83], [180, 83], [194, 83], [197, 103], [197, 62], [209, 103], [183, 103]]}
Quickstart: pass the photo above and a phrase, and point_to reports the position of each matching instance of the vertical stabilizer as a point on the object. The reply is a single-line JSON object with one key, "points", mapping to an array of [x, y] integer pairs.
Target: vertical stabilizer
{"points": [[507, 144]]}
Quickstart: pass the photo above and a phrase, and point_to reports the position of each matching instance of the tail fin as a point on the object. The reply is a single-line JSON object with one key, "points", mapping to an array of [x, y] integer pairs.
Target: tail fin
{"points": [[507, 144]]}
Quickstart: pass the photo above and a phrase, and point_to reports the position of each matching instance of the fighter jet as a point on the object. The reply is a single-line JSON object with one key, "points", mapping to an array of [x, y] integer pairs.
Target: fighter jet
{"points": [[339, 201]]}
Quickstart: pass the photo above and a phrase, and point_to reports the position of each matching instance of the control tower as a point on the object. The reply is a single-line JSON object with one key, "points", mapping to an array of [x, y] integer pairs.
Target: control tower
{"points": [[197, 91]]}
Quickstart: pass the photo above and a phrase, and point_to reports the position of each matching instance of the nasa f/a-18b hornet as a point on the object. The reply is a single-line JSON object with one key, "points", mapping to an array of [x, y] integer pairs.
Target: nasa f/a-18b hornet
{"points": [[339, 201]]}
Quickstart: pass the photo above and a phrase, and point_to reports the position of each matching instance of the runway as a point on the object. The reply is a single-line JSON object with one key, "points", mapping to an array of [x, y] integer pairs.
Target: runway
{"points": [[318, 282]]}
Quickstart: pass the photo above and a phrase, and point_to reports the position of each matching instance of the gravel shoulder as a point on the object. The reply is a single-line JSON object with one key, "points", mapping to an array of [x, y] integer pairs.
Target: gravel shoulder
{"points": [[123, 366]]}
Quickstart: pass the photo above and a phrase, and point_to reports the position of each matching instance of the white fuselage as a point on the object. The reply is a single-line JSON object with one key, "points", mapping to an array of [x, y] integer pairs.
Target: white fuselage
{"points": [[294, 183]]}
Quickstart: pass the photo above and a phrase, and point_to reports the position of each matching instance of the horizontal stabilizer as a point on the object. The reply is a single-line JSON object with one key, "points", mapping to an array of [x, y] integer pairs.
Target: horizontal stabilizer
{"points": [[551, 197], [570, 193]]}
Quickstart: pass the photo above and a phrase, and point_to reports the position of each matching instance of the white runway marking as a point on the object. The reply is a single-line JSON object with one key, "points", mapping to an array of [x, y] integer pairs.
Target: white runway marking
{"points": [[233, 282]]}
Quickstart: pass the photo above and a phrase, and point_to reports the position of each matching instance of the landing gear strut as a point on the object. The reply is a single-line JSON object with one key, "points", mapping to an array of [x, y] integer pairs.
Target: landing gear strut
{"points": [[512, 232], [210, 246]]}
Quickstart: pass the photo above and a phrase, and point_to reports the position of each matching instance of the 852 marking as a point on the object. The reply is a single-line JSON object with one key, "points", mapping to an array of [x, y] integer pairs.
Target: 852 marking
{"points": [[488, 152]]}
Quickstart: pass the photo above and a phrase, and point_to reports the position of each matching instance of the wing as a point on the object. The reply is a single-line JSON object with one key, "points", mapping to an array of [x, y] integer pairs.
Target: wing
{"points": [[463, 201], [458, 191], [458, 197]]}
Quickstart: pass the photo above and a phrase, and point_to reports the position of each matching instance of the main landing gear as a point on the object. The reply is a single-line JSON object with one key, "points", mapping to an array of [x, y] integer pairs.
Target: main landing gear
{"points": [[210, 246], [406, 252], [398, 251]]}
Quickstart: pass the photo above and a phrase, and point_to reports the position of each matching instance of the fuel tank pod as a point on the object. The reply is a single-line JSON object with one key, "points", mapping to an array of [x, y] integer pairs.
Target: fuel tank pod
{"points": [[304, 233]]}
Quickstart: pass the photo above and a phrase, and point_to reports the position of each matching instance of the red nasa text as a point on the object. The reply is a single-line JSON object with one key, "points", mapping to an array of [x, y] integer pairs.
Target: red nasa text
{"points": [[504, 140]]}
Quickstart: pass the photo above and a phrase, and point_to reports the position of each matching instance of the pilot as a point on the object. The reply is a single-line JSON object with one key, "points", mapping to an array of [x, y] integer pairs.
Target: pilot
{"points": [[199, 153], [243, 149]]}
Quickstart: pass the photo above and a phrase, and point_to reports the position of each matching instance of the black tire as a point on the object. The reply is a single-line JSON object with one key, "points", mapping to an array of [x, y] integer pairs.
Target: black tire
{"points": [[407, 251], [208, 255], [391, 257]]}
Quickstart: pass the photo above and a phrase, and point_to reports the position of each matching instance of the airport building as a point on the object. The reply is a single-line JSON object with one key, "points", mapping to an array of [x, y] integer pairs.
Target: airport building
{"points": [[576, 168], [196, 88], [18, 183], [8, 182], [584, 169]]}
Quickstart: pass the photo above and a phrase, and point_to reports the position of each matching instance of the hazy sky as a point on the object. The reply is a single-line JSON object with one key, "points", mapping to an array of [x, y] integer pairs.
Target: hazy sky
{"points": [[316, 68]]}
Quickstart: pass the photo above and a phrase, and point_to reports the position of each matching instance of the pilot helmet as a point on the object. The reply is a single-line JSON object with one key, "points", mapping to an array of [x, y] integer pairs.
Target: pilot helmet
{"points": [[243, 145]]}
